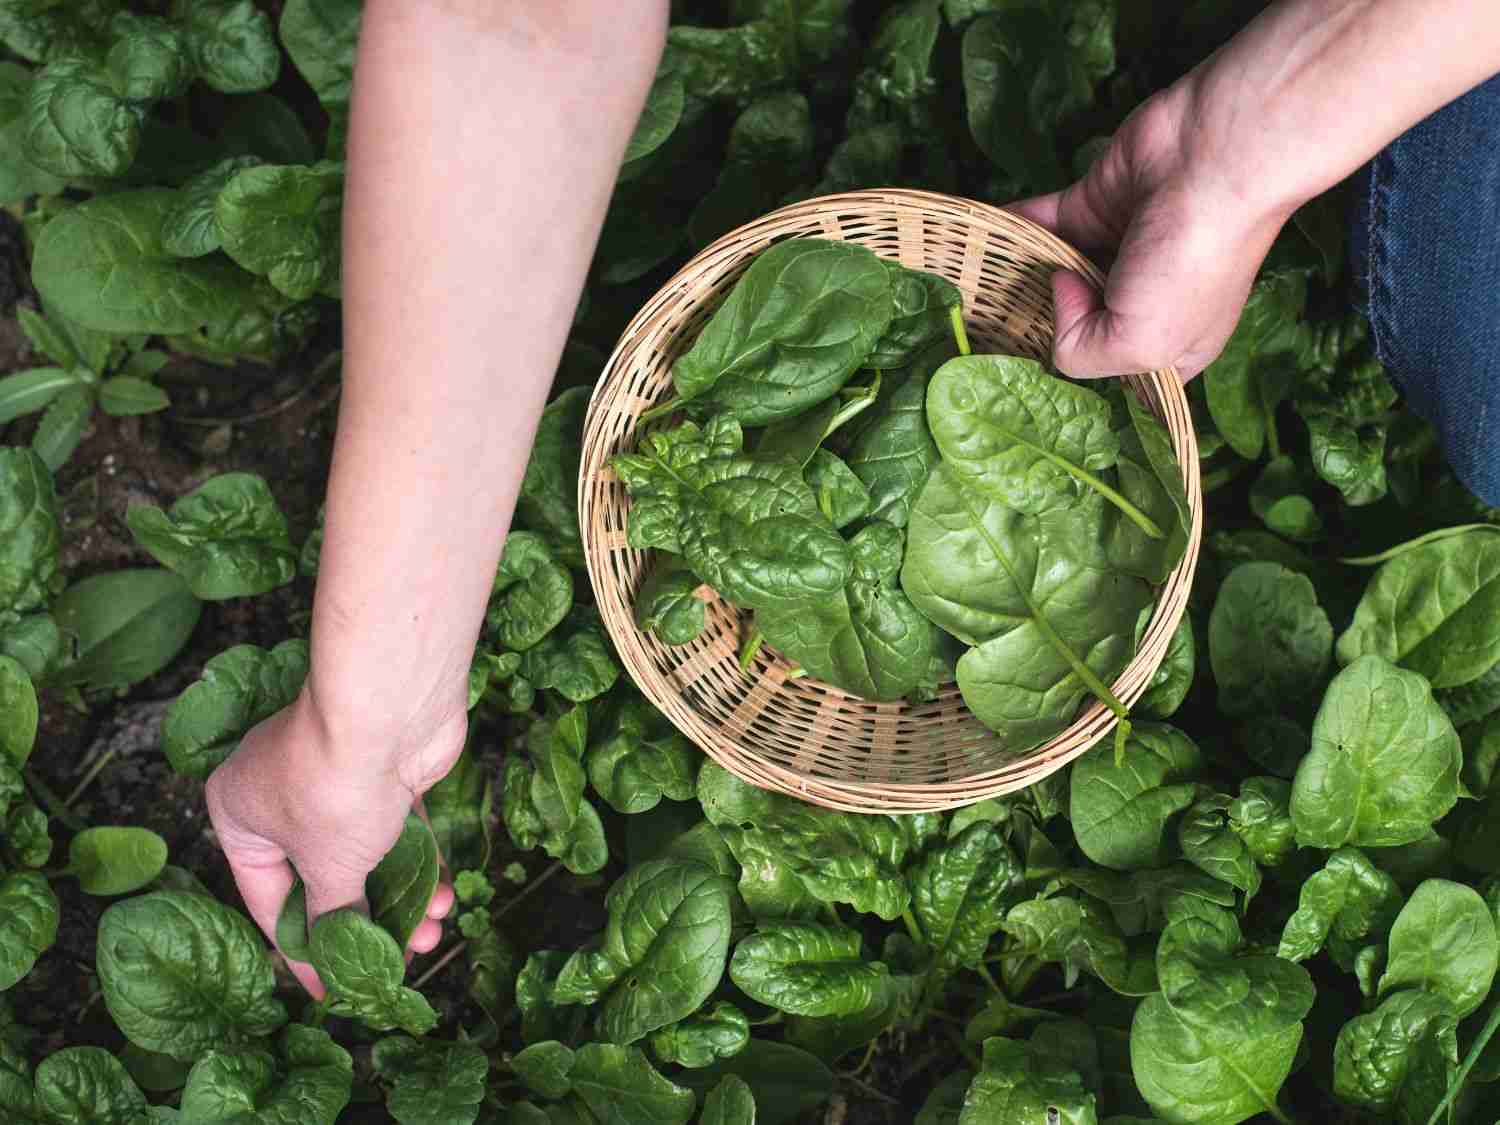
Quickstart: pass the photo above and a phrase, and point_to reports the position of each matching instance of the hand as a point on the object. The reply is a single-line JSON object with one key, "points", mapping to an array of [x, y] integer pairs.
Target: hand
{"points": [[1186, 243], [292, 797]]}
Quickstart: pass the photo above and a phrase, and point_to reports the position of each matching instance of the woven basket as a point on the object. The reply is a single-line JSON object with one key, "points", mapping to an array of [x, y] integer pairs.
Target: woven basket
{"points": [[800, 736]]}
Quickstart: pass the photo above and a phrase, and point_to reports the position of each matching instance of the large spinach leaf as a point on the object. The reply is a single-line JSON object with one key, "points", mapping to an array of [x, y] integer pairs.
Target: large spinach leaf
{"points": [[1384, 761], [795, 327]]}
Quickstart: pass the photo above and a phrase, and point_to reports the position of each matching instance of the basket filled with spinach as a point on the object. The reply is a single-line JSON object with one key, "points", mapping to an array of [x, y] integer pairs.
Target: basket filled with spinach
{"points": [[857, 556]]}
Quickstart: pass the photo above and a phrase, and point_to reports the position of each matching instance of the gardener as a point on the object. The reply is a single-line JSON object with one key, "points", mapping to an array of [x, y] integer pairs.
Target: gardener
{"points": [[483, 144]]}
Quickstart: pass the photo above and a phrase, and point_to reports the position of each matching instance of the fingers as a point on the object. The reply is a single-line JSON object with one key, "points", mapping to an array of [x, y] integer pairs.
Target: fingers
{"points": [[442, 902], [425, 938], [1091, 340], [1040, 209]]}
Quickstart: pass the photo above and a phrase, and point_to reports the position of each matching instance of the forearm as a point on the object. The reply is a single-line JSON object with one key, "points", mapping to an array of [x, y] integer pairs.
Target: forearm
{"points": [[484, 142], [1312, 89]]}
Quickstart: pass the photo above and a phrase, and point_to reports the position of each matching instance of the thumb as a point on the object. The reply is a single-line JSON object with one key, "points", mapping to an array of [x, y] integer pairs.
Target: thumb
{"points": [[264, 878], [1092, 340]]}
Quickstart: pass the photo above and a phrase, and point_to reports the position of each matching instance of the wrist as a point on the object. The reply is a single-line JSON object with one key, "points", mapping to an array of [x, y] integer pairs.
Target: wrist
{"points": [[379, 728], [1224, 158]]}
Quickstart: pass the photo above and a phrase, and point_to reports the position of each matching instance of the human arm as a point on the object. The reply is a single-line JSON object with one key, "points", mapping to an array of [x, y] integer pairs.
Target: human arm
{"points": [[484, 141], [1194, 187]]}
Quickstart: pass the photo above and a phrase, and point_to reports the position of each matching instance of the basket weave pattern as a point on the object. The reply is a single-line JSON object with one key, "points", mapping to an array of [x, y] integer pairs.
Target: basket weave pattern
{"points": [[799, 735]]}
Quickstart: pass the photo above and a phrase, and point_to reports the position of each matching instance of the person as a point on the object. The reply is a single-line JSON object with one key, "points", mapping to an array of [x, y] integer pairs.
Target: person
{"points": [[484, 140]]}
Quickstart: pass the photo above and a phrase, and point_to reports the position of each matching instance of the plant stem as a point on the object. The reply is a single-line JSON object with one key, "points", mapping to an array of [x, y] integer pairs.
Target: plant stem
{"points": [[1420, 541], [956, 316], [88, 779], [912, 928], [660, 410], [1135, 515], [528, 889], [49, 800], [1482, 1041], [989, 979], [442, 964], [750, 647]]}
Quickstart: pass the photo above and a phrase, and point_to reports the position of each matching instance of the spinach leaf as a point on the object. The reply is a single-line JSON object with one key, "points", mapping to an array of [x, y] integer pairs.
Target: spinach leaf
{"points": [[362, 966], [574, 660], [227, 539], [544, 1068], [86, 1086], [1243, 389], [311, 1082], [752, 530], [458, 811], [1347, 421], [320, 36], [729, 1103], [532, 593], [189, 229], [795, 327], [1055, 623], [1384, 761], [403, 881], [1210, 843], [1278, 497], [1347, 902], [1433, 609], [642, 759], [668, 603], [103, 265], [124, 626], [1121, 811], [806, 968], [19, 177], [183, 974], [231, 43], [868, 639], [841, 496], [1023, 437], [717, 1032], [18, 712], [1219, 1039], [1261, 816], [1396, 1060], [238, 688], [1150, 479], [29, 535], [1443, 942], [1080, 934], [618, 1084], [923, 306], [793, 854], [431, 1083], [82, 121], [1016, 1082], [663, 951], [115, 861], [1269, 641], [282, 222], [958, 895], [893, 451], [548, 500], [28, 923], [1173, 678]]}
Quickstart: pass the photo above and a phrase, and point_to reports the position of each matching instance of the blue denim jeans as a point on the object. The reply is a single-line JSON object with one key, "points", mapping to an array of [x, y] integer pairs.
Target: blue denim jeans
{"points": [[1425, 243]]}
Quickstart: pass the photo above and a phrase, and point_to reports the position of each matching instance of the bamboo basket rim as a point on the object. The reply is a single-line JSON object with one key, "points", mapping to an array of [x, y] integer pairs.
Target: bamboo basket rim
{"points": [[907, 225]]}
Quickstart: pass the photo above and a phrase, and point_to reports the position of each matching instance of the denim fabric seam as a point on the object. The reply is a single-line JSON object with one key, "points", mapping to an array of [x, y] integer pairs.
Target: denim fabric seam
{"points": [[1377, 280]]}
